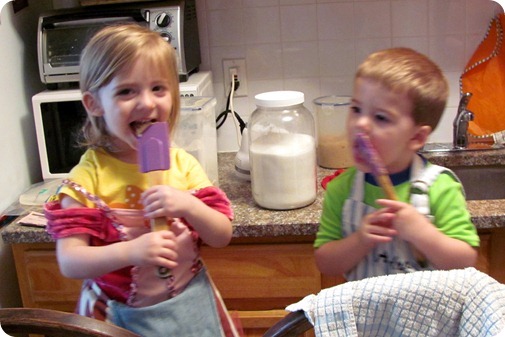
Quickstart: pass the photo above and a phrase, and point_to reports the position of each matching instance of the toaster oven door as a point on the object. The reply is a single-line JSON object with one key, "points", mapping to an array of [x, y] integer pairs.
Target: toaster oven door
{"points": [[61, 40]]}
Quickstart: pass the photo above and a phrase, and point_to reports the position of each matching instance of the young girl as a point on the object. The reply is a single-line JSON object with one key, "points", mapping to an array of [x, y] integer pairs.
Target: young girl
{"points": [[100, 221]]}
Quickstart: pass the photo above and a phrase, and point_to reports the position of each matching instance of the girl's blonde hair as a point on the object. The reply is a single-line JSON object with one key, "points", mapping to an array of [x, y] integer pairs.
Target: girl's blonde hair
{"points": [[114, 49], [407, 71]]}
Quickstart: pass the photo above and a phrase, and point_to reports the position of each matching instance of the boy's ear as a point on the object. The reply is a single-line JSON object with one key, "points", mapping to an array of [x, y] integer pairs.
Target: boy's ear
{"points": [[92, 104], [420, 137]]}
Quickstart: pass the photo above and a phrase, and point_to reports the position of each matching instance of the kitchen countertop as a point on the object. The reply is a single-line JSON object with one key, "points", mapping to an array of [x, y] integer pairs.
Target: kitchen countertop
{"points": [[254, 221]]}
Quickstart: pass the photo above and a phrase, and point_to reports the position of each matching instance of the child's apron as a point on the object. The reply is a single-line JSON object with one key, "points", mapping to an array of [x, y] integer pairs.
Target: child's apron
{"points": [[397, 256]]}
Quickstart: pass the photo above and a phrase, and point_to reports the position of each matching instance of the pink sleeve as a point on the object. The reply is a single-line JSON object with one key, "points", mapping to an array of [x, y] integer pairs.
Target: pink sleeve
{"points": [[216, 199], [82, 220]]}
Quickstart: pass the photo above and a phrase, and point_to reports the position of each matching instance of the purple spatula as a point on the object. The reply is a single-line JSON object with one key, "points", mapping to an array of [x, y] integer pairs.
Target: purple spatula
{"points": [[154, 158]]}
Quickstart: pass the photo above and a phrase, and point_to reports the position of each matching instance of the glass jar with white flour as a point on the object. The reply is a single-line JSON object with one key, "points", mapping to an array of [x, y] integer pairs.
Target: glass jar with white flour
{"points": [[282, 151]]}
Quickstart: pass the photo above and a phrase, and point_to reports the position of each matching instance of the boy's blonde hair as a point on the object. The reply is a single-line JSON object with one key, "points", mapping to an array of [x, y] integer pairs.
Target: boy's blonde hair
{"points": [[407, 71], [114, 49]]}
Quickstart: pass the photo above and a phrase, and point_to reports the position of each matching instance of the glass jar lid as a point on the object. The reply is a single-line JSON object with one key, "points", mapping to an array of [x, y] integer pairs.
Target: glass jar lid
{"points": [[277, 99]]}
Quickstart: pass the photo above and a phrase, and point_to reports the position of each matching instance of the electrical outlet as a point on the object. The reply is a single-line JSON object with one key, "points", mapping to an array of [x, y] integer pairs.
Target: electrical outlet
{"points": [[235, 67]]}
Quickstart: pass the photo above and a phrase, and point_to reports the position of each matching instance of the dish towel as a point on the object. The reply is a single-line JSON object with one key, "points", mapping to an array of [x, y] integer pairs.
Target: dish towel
{"points": [[463, 302]]}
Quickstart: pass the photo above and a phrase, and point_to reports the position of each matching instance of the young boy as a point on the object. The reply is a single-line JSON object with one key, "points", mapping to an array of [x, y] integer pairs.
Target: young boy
{"points": [[399, 97]]}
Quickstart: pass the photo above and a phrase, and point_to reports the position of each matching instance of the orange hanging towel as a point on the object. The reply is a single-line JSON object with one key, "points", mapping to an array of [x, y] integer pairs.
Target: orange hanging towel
{"points": [[484, 77]]}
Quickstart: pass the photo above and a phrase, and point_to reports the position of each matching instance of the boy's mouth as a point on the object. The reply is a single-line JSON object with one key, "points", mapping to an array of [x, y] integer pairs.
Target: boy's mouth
{"points": [[139, 127]]}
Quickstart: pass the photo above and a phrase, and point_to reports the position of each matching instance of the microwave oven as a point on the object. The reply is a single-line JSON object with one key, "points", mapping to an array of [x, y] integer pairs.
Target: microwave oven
{"points": [[59, 115], [63, 34]]}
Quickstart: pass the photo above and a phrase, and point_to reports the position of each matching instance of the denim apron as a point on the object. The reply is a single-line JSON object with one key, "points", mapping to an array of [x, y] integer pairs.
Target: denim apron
{"points": [[192, 313]]}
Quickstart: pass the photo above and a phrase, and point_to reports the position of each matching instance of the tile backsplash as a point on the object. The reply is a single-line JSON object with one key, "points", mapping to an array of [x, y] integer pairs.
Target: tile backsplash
{"points": [[314, 46]]}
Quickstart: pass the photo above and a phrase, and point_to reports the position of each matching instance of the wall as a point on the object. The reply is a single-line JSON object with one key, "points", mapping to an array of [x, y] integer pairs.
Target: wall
{"points": [[18, 82], [314, 45]]}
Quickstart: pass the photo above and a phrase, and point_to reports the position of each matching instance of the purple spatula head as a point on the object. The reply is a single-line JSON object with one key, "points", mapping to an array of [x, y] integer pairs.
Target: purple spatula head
{"points": [[154, 148], [369, 153]]}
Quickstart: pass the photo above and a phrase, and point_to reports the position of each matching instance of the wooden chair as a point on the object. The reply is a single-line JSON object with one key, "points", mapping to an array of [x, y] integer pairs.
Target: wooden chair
{"points": [[54, 323], [292, 325]]}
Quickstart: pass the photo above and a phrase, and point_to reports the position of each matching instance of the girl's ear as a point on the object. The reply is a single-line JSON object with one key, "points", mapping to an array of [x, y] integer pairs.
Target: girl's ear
{"points": [[92, 104], [420, 137]]}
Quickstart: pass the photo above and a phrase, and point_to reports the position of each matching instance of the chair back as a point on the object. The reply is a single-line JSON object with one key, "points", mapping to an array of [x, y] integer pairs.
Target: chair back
{"points": [[293, 324], [54, 323]]}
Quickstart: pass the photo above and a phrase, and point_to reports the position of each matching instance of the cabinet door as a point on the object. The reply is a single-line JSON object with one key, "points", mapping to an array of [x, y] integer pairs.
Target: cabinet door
{"points": [[258, 281], [263, 277], [40, 281], [491, 259]]}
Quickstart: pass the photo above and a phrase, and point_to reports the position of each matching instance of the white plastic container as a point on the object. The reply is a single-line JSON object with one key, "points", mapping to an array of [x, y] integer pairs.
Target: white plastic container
{"points": [[282, 151], [196, 132]]}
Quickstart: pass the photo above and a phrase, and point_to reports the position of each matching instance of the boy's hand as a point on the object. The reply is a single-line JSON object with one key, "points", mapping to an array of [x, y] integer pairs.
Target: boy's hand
{"points": [[405, 218], [377, 228]]}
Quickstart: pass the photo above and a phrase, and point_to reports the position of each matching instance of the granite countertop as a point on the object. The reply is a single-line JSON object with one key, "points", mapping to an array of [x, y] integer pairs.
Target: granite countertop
{"points": [[254, 221]]}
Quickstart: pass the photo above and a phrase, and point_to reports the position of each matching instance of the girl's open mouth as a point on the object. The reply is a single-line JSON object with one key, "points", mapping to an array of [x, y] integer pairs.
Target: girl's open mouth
{"points": [[139, 127]]}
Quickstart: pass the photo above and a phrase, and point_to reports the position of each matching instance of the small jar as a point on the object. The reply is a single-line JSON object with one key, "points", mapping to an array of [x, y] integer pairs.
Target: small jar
{"points": [[282, 151], [333, 149]]}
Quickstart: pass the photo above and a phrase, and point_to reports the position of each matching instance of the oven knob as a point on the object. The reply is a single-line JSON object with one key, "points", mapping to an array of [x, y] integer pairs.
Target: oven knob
{"points": [[166, 36], [163, 20]]}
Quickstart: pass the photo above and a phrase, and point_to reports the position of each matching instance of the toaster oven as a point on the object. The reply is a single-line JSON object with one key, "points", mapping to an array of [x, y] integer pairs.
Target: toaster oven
{"points": [[62, 34]]}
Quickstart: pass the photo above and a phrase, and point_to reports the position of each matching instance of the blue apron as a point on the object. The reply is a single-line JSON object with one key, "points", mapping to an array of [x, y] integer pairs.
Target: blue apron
{"points": [[192, 313]]}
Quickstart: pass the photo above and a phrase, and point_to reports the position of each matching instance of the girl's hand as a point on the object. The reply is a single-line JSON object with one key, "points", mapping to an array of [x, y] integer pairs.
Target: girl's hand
{"points": [[154, 248], [377, 228], [165, 201], [213, 227], [406, 219]]}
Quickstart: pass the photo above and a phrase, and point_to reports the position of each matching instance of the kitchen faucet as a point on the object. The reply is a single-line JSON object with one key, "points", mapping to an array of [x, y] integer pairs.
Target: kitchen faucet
{"points": [[460, 124]]}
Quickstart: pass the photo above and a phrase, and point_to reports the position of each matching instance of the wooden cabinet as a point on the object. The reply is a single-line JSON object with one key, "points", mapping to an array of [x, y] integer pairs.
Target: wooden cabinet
{"points": [[257, 278], [40, 282], [260, 280], [491, 253]]}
